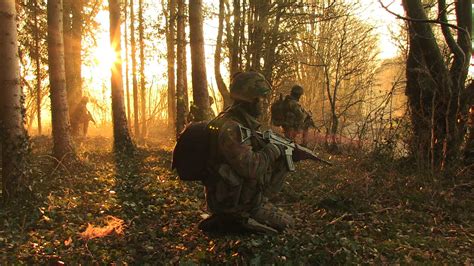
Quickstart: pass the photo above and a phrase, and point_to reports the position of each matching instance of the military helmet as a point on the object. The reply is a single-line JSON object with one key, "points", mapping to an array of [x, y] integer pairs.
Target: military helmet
{"points": [[297, 90], [246, 86]]}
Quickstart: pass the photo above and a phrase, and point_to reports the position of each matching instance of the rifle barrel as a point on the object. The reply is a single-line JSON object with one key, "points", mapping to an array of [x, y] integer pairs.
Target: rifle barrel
{"points": [[307, 150]]}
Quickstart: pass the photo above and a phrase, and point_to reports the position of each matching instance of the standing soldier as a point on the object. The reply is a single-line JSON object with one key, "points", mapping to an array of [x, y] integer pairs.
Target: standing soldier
{"points": [[82, 116], [245, 169], [193, 109], [296, 118], [211, 111]]}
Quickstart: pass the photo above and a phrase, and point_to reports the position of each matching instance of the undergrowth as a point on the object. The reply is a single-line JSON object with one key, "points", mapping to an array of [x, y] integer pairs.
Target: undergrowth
{"points": [[362, 210]]}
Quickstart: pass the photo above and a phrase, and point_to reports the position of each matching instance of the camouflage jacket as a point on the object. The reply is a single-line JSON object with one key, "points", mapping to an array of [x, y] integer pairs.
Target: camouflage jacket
{"points": [[295, 115], [81, 114], [244, 165]]}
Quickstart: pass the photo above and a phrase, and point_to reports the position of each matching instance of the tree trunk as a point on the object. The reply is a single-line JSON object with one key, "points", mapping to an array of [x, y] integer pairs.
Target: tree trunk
{"points": [[436, 91], [170, 45], [259, 12], [14, 141], [235, 47], [134, 72], [181, 79], [198, 60], [122, 141], [76, 33], [38, 67], [242, 40], [271, 42], [217, 57], [68, 67], [127, 87], [332, 103], [142, 69], [72, 33], [250, 23], [62, 143]]}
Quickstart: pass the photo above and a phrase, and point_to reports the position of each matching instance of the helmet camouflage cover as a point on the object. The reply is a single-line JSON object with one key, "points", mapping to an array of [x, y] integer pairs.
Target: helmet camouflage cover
{"points": [[246, 86], [297, 90]]}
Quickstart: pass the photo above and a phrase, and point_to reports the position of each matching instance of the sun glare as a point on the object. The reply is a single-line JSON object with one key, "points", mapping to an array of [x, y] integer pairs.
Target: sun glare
{"points": [[105, 56]]}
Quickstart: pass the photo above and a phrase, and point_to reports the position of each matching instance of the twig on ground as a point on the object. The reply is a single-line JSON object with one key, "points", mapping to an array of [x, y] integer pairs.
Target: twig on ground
{"points": [[59, 163], [339, 218]]}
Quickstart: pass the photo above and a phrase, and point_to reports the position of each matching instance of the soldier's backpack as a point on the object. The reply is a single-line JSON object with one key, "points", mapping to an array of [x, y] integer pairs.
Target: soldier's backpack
{"points": [[192, 151], [196, 150], [278, 111]]}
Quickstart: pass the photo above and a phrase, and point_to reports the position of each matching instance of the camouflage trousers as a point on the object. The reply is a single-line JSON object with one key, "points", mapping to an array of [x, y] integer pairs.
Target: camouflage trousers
{"points": [[76, 128], [229, 214], [268, 213]]}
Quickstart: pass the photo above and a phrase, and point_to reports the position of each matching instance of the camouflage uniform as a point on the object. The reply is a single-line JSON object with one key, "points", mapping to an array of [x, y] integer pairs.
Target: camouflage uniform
{"points": [[193, 111], [295, 114], [297, 119], [81, 117], [247, 171]]}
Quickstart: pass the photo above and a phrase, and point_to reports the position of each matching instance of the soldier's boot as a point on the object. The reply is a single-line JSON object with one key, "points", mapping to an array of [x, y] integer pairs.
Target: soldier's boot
{"points": [[255, 227], [223, 223], [231, 224], [215, 223], [272, 216]]}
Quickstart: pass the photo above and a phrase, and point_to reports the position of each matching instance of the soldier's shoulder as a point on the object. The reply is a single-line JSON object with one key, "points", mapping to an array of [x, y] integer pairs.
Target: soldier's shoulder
{"points": [[292, 103], [221, 120], [229, 124], [228, 127], [289, 99]]}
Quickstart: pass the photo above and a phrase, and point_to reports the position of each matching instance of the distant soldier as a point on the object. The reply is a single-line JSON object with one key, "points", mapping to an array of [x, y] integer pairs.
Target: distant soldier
{"points": [[294, 118], [212, 114], [193, 110], [246, 169], [82, 116]]}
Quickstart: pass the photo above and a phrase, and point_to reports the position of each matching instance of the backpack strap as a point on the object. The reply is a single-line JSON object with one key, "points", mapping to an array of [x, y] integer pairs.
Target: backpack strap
{"points": [[213, 128], [245, 133]]}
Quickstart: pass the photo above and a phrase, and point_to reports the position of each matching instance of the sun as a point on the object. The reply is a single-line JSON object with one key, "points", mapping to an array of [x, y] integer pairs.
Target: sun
{"points": [[105, 56]]}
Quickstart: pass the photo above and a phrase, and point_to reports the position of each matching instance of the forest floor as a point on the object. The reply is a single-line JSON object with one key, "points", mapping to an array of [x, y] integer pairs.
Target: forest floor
{"points": [[362, 210]]}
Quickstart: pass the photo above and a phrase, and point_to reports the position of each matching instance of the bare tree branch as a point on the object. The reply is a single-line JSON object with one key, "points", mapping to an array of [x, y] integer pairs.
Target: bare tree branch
{"points": [[433, 21]]}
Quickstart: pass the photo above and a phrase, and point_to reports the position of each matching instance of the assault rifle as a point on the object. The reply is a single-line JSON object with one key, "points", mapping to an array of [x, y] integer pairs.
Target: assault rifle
{"points": [[293, 152]]}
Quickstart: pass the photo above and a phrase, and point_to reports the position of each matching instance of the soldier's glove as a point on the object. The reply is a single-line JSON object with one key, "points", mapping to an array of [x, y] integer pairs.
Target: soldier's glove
{"points": [[273, 151], [282, 149], [299, 155]]}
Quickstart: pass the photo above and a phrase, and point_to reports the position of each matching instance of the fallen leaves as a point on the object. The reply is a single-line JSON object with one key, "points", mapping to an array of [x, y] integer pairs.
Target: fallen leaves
{"points": [[353, 214], [68, 241], [113, 225]]}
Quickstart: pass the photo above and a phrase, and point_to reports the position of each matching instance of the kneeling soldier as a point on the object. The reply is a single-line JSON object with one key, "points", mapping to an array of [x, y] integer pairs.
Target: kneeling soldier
{"points": [[245, 169]]}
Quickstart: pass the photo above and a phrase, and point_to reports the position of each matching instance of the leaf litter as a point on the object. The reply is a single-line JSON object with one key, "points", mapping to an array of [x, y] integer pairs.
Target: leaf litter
{"points": [[113, 225], [135, 211]]}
